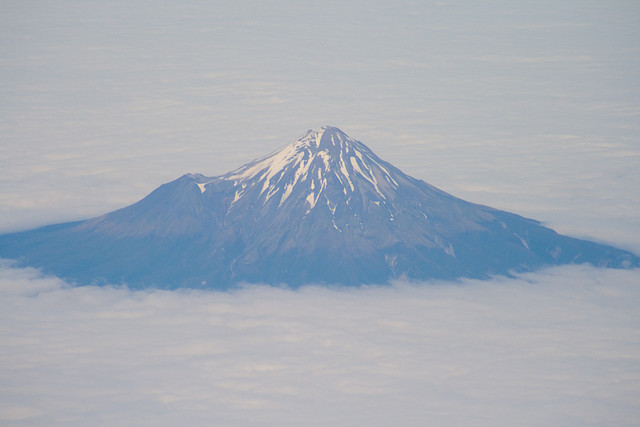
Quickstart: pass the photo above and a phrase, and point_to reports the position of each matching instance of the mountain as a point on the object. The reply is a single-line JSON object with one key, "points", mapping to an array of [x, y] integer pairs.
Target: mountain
{"points": [[323, 209]]}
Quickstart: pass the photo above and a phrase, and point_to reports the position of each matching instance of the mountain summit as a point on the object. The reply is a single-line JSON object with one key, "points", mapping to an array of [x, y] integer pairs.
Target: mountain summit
{"points": [[323, 209]]}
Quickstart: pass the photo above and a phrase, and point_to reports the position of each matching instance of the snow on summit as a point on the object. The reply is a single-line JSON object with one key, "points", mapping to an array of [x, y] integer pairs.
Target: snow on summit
{"points": [[327, 153]]}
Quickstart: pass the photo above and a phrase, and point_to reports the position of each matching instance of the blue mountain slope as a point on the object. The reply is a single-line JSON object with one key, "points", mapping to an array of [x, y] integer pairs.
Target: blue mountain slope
{"points": [[324, 209]]}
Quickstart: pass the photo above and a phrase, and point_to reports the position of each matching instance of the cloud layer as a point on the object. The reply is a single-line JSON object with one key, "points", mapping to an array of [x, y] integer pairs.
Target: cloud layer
{"points": [[559, 347]]}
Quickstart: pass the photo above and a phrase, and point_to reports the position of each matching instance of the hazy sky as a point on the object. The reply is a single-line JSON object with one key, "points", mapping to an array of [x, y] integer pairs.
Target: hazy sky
{"points": [[532, 107]]}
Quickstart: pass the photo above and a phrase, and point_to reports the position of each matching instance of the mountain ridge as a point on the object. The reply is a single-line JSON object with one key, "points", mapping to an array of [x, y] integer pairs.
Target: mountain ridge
{"points": [[322, 209]]}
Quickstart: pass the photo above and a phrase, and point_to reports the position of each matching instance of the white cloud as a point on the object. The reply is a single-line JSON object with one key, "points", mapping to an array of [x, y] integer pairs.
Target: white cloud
{"points": [[559, 347]]}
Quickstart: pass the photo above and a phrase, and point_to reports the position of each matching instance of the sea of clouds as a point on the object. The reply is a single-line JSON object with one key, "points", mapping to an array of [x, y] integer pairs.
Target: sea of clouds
{"points": [[530, 107], [558, 347]]}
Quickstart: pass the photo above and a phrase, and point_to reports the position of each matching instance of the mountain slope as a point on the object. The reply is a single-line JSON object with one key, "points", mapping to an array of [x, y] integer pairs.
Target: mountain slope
{"points": [[324, 209]]}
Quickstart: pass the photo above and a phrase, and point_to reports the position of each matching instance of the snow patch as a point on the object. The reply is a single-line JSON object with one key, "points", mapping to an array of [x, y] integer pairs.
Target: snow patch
{"points": [[237, 197], [369, 176], [311, 199], [449, 250], [325, 159], [287, 191], [386, 172], [264, 187], [345, 173], [524, 242], [202, 186]]}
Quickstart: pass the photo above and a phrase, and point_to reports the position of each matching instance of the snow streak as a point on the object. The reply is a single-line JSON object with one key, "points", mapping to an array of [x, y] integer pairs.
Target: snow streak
{"points": [[301, 170]]}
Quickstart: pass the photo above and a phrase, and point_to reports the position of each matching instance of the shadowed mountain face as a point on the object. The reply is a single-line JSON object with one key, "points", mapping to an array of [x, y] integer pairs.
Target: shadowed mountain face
{"points": [[324, 209]]}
